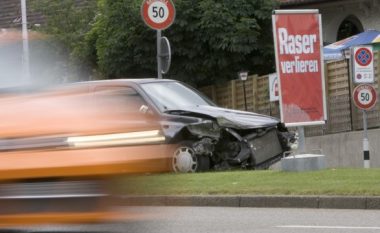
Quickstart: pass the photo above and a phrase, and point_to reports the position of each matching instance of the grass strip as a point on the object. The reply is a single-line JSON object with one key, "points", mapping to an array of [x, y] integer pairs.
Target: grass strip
{"points": [[346, 182]]}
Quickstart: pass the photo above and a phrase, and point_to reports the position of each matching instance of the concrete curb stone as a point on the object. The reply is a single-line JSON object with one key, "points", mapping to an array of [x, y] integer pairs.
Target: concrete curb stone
{"points": [[143, 200], [258, 201], [279, 201], [336, 202], [373, 203], [226, 201]]}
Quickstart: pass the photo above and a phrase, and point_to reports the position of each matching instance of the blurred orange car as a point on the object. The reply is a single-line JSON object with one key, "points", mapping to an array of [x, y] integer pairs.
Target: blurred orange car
{"points": [[60, 147]]}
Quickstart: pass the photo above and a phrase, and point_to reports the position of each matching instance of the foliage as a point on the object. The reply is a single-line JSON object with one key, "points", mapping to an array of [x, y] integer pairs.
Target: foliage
{"points": [[124, 46], [211, 40], [222, 38], [68, 23]]}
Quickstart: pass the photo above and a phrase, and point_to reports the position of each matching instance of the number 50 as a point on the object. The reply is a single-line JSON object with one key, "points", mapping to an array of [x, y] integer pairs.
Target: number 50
{"points": [[364, 96], [158, 12]]}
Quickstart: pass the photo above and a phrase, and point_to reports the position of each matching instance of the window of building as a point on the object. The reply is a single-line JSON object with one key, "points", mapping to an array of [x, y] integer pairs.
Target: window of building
{"points": [[350, 26]]}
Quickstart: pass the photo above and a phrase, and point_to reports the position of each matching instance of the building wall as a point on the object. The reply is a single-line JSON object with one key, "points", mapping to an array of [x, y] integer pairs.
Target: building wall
{"points": [[334, 12]]}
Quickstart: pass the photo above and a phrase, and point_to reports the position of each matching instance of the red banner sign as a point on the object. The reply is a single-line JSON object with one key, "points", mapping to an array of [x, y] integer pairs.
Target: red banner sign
{"points": [[298, 48]]}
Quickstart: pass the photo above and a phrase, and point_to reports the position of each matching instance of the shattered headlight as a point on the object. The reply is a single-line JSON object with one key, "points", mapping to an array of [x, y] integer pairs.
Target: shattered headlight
{"points": [[293, 141], [290, 139], [206, 128], [226, 123]]}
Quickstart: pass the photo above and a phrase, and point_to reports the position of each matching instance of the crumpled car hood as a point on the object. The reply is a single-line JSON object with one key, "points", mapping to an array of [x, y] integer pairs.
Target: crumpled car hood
{"points": [[230, 118]]}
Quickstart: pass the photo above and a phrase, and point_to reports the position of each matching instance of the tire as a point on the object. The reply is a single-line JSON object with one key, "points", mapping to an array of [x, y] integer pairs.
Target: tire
{"points": [[185, 160]]}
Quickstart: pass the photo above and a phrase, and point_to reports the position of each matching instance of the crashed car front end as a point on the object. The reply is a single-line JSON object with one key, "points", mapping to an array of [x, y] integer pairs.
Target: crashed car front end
{"points": [[256, 148], [233, 146], [210, 137]]}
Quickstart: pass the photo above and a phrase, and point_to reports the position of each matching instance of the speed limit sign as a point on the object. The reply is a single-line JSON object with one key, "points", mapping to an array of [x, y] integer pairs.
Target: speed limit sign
{"points": [[158, 14], [365, 96]]}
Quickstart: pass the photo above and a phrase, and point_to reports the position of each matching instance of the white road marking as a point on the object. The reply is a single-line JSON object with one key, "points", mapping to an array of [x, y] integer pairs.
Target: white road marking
{"points": [[329, 227]]}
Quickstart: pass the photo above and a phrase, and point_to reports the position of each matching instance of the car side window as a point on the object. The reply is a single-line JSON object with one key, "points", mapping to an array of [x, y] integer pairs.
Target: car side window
{"points": [[125, 98]]}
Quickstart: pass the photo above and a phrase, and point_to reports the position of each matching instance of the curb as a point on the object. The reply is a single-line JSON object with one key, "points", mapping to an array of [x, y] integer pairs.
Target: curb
{"points": [[318, 202]]}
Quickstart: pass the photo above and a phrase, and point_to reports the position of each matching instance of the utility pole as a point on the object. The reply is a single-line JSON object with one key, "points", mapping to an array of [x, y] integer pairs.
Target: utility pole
{"points": [[25, 44]]}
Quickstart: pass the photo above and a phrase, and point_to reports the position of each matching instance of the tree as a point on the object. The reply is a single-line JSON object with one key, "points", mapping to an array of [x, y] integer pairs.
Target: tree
{"points": [[124, 46], [232, 35], [67, 23], [211, 40]]}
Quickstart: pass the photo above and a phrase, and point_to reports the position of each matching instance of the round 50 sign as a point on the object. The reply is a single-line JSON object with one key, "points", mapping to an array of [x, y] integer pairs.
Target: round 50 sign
{"points": [[158, 14], [365, 96]]}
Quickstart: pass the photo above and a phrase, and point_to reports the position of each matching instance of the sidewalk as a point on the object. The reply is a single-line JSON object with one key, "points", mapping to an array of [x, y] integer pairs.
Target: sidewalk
{"points": [[323, 202]]}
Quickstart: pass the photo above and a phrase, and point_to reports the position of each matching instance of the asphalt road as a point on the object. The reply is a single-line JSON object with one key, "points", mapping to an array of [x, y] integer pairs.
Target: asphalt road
{"points": [[236, 220]]}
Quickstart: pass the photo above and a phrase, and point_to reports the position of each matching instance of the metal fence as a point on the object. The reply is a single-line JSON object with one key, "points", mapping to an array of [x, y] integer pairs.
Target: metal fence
{"points": [[343, 116]]}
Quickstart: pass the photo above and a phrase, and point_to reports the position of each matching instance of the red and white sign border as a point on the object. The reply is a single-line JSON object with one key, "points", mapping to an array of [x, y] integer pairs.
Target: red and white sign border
{"points": [[368, 51], [158, 26], [355, 95], [359, 68]]}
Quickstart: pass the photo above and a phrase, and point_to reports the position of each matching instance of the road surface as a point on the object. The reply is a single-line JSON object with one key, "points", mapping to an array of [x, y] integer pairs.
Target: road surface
{"points": [[236, 220]]}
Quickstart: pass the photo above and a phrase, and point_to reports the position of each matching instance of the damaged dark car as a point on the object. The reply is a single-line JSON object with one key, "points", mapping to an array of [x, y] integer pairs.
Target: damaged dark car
{"points": [[207, 137]]}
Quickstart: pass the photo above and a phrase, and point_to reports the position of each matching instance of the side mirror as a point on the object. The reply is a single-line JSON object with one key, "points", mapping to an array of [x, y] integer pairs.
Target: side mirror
{"points": [[144, 109]]}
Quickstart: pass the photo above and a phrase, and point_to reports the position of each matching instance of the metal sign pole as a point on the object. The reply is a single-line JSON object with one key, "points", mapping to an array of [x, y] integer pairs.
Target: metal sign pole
{"points": [[159, 65], [301, 139], [25, 43], [365, 141], [245, 97], [159, 15], [365, 95]]}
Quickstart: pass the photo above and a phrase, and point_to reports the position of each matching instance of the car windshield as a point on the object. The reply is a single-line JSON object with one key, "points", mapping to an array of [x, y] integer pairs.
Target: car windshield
{"points": [[174, 95]]}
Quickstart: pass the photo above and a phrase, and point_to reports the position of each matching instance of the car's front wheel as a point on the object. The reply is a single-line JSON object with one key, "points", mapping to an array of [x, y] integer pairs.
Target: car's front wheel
{"points": [[186, 160]]}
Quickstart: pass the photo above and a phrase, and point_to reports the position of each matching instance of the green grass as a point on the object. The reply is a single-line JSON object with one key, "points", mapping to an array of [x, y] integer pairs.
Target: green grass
{"points": [[350, 182]]}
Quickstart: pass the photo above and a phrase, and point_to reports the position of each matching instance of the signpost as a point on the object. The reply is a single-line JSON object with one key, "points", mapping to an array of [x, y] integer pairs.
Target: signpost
{"points": [[274, 93], [363, 70], [365, 98], [299, 63], [159, 15], [364, 95], [165, 55]]}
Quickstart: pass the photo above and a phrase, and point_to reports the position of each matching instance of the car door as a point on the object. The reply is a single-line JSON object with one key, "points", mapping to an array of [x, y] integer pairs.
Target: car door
{"points": [[124, 109]]}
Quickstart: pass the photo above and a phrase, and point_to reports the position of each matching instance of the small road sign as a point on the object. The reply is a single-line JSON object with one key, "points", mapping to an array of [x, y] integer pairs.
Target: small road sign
{"points": [[158, 14], [365, 96], [363, 71], [274, 94], [166, 55], [363, 56]]}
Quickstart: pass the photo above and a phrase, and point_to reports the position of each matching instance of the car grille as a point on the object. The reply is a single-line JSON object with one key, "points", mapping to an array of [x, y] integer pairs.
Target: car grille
{"points": [[266, 147]]}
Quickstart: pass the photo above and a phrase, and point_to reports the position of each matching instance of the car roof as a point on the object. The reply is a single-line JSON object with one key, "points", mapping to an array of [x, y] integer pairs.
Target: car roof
{"points": [[126, 81], [80, 86]]}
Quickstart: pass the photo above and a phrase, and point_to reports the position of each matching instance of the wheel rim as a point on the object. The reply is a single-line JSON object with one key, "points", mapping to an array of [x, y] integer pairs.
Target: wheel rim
{"points": [[184, 160]]}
